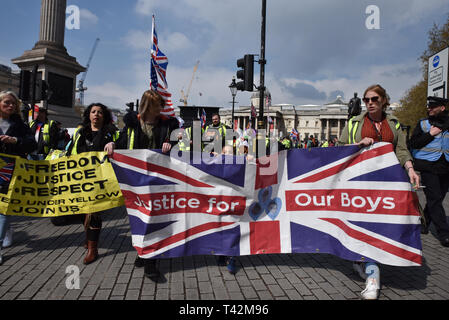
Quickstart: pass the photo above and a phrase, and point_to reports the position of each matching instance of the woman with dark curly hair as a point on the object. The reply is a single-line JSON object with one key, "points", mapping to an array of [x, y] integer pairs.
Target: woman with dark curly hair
{"points": [[96, 134]]}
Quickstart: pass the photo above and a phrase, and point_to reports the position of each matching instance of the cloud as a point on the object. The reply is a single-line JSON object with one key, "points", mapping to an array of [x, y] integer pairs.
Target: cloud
{"points": [[404, 13], [137, 39], [314, 51], [141, 41], [305, 91], [112, 94], [7, 62], [335, 94], [390, 76], [88, 18], [147, 7], [176, 41]]}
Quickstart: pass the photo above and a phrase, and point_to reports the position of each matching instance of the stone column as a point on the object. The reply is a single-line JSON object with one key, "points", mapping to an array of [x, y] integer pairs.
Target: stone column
{"points": [[339, 128], [54, 63], [275, 126], [52, 25]]}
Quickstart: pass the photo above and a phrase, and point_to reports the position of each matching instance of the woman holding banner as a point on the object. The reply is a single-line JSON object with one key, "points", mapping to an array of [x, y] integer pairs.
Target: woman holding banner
{"points": [[148, 130], [96, 134], [372, 126], [15, 139]]}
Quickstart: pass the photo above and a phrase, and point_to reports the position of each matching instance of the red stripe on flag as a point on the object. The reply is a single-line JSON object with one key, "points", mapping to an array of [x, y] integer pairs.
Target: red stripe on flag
{"points": [[161, 203], [351, 162], [393, 202], [265, 237], [181, 236], [385, 246], [267, 164], [158, 169]]}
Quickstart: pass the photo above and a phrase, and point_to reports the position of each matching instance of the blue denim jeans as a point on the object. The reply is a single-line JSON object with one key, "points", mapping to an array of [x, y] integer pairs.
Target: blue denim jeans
{"points": [[4, 225]]}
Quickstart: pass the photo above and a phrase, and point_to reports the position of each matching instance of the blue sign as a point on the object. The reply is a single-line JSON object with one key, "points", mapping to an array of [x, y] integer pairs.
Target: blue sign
{"points": [[436, 61]]}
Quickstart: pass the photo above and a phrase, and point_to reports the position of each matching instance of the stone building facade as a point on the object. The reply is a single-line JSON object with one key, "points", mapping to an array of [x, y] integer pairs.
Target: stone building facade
{"points": [[322, 121], [9, 79]]}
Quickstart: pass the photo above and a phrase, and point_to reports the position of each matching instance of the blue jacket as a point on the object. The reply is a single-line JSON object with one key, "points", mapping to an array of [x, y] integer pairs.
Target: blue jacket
{"points": [[434, 149]]}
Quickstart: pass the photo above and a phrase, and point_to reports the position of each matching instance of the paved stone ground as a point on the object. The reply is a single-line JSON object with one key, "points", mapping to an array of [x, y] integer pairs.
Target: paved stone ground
{"points": [[35, 269]]}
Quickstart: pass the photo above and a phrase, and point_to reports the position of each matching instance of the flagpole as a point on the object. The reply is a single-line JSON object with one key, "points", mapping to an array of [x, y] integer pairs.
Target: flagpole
{"points": [[262, 63], [152, 43]]}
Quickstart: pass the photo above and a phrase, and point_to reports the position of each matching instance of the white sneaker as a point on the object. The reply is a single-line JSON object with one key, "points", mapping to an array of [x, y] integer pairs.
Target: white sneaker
{"points": [[1, 257], [371, 291], [7, 241], [359, 267]]}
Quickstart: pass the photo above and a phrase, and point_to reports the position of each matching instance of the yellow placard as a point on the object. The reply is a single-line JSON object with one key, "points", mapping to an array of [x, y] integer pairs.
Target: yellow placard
{"points": [[78, 184]]}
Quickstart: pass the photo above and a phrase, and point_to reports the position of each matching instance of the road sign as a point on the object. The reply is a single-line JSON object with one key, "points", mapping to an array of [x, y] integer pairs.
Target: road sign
{"points": [[438, 74]]}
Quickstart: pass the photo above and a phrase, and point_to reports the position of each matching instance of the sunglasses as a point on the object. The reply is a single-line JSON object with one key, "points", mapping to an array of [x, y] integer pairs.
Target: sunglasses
{"points": [[432, 106], [373, 99]]}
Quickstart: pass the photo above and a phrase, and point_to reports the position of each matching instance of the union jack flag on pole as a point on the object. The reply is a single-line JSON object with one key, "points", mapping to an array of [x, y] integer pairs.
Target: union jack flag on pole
{"points": [[294, 134], [253, 111], [159, 63], [353, 203], [203, 119], [6, 171]]}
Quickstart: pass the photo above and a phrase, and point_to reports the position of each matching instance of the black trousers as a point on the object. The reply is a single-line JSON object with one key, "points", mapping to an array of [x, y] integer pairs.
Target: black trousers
{"points": [[436, 187]]}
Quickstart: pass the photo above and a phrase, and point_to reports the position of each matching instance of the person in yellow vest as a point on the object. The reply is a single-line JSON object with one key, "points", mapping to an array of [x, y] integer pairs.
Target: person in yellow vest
{"points": [[46, 134], [286, 143], [189, 137], [217, 130], [372, 126], [430, 149], [97, 133]]}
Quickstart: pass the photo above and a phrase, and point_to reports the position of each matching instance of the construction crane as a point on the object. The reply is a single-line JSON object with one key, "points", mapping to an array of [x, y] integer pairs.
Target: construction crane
{"points": [[184, 96], [81, 88]]}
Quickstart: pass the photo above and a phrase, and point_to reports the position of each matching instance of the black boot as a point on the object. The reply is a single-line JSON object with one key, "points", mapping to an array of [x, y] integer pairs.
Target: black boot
{"points": [[150, 269], [139, 262]]}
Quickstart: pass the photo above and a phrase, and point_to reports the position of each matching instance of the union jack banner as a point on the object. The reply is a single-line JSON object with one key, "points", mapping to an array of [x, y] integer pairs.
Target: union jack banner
{"points": [[159, 63], [294, 134], [353, 203], [203, 119], [33, 116], [6, 172], [253, 111]]}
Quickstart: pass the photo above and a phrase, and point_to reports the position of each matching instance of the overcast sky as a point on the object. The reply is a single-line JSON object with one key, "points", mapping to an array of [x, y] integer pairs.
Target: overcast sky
{"points": [[315, 49]]}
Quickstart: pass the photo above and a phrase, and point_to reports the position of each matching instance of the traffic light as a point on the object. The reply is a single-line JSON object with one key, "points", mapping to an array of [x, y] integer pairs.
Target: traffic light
{"points": [[25, 86], [130, 106], [43, 91], [246, 74]]}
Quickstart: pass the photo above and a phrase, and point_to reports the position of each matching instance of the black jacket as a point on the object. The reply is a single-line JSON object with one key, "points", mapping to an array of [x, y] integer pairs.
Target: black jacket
{"points": [[25, 139], [54, 134], [161, 131], [88, 142]]}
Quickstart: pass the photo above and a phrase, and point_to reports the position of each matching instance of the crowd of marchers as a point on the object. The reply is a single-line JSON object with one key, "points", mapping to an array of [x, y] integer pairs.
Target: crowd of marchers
{"points": [[424, 157]]}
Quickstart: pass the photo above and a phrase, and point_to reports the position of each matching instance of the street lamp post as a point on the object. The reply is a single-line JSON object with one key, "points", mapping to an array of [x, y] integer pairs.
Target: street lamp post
{"points": [[233, 88]]}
